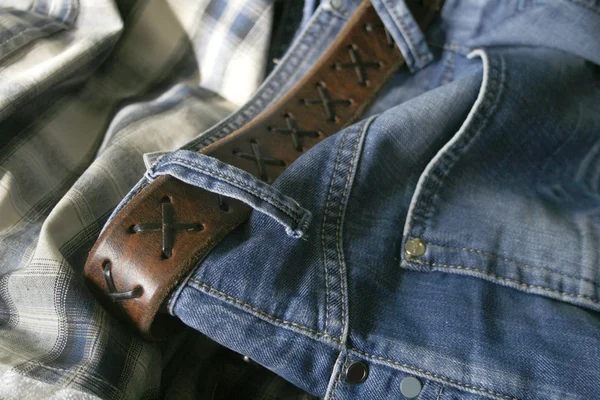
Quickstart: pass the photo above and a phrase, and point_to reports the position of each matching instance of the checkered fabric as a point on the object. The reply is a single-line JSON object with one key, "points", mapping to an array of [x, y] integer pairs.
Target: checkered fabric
{"points": [[86, 88]]}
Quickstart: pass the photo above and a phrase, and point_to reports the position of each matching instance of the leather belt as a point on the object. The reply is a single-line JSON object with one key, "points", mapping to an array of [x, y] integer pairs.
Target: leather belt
{"points": [[169, 226]]}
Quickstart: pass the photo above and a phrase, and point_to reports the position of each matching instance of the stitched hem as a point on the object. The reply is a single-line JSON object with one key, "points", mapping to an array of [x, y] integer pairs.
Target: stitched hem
{"points": [[314, 334], [323, 224], [499, 278], [339, 377], [421, 59], [495, 257], [223, 178], [421, 206], [430, 375], [203, 287]]}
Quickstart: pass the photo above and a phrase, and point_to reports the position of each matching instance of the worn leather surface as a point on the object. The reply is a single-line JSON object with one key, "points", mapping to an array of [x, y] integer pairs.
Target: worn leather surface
{"points": [[128, 268]]}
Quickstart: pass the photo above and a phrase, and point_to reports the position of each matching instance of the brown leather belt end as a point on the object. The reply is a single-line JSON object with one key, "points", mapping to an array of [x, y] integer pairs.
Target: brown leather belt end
{"points": [[169, 226]]}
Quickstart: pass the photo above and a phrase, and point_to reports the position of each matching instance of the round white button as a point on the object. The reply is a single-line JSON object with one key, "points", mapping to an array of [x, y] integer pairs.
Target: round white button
{"points": [[410, 387]]}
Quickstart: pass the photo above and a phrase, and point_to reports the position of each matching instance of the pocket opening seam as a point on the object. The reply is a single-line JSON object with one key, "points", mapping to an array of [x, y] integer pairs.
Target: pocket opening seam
{"points": [[504, 279]]}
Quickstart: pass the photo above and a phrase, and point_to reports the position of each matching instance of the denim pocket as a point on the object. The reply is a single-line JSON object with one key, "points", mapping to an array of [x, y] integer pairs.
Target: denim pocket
{"points": [[510, 198], [218, 177]]}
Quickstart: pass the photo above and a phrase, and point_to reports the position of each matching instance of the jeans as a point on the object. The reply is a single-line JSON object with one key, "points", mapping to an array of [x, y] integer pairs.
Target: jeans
{"points": [[450, 236]]}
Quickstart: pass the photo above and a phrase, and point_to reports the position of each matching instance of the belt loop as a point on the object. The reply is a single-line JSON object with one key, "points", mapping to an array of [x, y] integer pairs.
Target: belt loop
{"points": [[398, 16]]}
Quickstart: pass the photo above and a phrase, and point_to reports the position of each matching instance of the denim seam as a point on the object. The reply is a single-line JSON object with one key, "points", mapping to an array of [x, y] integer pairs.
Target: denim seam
{"points": [[503, 279], [145, 185], [431, 374], [323, 224], [514, 262], [492, 96], [407, 34], [339, 377], [339, 11], [337, 249], [452, 156], [228, 298], [209, 289], [249, 189], [342, 208], [334, 179]]}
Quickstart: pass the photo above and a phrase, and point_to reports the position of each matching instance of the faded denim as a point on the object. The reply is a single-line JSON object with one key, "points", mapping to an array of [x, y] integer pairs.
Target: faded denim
{"points": [[487, 149]]}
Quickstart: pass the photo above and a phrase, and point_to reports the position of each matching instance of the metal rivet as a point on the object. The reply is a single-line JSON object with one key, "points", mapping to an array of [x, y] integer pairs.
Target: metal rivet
{"points": [[357, 372], [247, 359], [410, 387], [337, 4], [414, 248]]}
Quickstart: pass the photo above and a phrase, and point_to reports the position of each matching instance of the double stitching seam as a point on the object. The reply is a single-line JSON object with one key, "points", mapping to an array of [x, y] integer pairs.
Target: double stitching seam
{"points": [[503, 279], [494, 90], [228, 298], [248, 189], [342, 207], [432, 375], [339, 377], [398, 19], [495, 257], [324, 246], [210, 290]]}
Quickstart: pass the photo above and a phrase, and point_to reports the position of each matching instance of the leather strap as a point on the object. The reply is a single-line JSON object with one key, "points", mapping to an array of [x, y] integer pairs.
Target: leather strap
{"points": [[169, 226]]}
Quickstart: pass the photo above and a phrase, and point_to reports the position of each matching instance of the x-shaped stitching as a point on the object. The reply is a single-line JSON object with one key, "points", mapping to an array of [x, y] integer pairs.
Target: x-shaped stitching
{"points": [[261, 161], [295, 131], [167, 226], [359, 66], [327, 102]]}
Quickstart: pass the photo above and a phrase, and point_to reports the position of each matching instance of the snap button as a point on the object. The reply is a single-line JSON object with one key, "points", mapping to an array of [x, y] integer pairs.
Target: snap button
{"points": [[357, 372], [410, 387], [414, 247]]}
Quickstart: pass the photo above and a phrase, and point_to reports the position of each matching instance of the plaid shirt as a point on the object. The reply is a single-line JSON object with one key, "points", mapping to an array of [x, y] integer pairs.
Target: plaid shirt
{"points": [[86, 88]]}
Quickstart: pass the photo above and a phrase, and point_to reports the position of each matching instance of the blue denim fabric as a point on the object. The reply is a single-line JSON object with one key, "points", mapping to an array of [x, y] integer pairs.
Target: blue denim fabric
{"points": [[491, 159], [310, 43], [217, 177]]}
